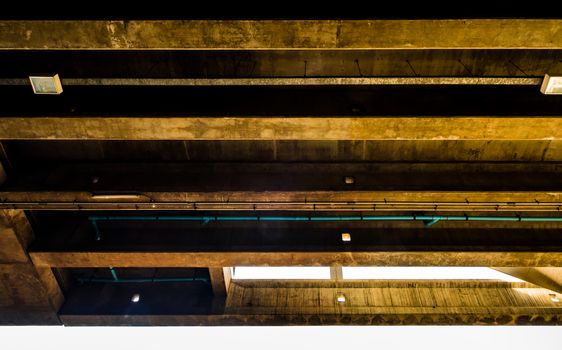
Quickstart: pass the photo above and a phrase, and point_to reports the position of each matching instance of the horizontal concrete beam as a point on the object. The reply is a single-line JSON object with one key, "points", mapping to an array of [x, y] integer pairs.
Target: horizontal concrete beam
{"points": [[282, 34], [500, 316], [279, 128], [549, 278], [220, 259], [364, 201], [308, 81]]}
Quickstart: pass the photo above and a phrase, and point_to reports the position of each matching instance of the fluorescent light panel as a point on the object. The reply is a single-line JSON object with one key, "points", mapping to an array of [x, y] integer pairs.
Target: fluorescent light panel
{"points": [[372, 273], [425, 273], [282, 273], [552, 85]]}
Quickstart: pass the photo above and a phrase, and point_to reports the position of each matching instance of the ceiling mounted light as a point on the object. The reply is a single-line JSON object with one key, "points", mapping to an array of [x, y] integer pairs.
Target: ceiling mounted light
{"points": [[281, 273], [340, 298], [552, 85], [135, 298], [46, 85], [424, 273], [349, 180], [116, 196], [554, 298], [346, 237]]}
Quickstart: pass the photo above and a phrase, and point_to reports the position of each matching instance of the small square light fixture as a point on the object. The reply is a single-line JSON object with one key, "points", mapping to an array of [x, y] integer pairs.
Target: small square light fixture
{"points": [[349, 180], [340, 298], [346, 237], [552, 85], [554, 298], [46, 85], [135, 298]]}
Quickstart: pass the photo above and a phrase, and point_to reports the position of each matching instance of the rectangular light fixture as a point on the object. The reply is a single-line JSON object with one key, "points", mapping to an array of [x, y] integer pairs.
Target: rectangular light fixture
{"points": [[425, 273], [46, 85], [115, 196], [552, 85], [281, 273]]}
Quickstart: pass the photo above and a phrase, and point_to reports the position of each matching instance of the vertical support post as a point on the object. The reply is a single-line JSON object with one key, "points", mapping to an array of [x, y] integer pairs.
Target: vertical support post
{"points": [[336, 273], [220, 280]]}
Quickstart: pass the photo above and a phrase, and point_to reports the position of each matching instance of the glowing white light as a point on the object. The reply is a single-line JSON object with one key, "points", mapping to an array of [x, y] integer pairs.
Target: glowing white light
{"points": [[282, 273], [551, 85], [425, 273], [135, 298]]}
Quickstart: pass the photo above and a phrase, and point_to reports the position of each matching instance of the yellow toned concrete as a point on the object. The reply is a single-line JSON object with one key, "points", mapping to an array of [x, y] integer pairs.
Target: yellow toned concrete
{"points": [[219, 259], [278, 128], [286, 35]]}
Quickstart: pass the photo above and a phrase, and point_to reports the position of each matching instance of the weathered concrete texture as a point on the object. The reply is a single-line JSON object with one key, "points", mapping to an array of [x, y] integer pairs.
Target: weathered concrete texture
{"points": [[546, 277], [277, 128], [51, 151], [370, 81], [389, 297], [366, 201], [27, 295], [485, 318], [220, 280], [220, 259], [283, 34]]}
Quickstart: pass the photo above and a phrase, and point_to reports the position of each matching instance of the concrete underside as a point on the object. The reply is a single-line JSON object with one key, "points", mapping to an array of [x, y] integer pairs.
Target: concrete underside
{"points": [[275, 118]]}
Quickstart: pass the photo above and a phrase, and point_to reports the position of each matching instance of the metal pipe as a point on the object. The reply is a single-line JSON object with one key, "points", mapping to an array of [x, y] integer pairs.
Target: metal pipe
{"points": [[141, 280], [429, 218], [114, 274], [324, 218]]}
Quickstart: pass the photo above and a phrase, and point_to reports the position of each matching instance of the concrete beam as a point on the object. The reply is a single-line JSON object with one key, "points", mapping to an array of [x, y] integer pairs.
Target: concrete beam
{"points": [[220, 280], [308, 81], [502, 316], [367, 302], [280, 128], [220, 259], [546, 277], [282, 34], [365, 201], [3, 176], [32, 294]]}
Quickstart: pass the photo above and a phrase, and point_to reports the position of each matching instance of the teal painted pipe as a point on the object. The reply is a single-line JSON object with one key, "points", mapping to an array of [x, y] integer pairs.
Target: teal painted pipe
{"points": [[429, 220], [95, 219], [141, 280], [114, 274]]}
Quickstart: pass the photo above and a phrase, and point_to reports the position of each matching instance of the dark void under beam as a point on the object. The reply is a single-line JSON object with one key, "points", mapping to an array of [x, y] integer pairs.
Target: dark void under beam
{"points": [[288, 186]]}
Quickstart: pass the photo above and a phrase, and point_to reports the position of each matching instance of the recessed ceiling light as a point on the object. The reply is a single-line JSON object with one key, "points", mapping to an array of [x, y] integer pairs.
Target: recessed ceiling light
{"points": [[552, 85], [281, 273], [115, 196], [340, 298], [350, 180], [424, 273], [554, 298], [46, 85], [135, 298], [346, 237]]}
